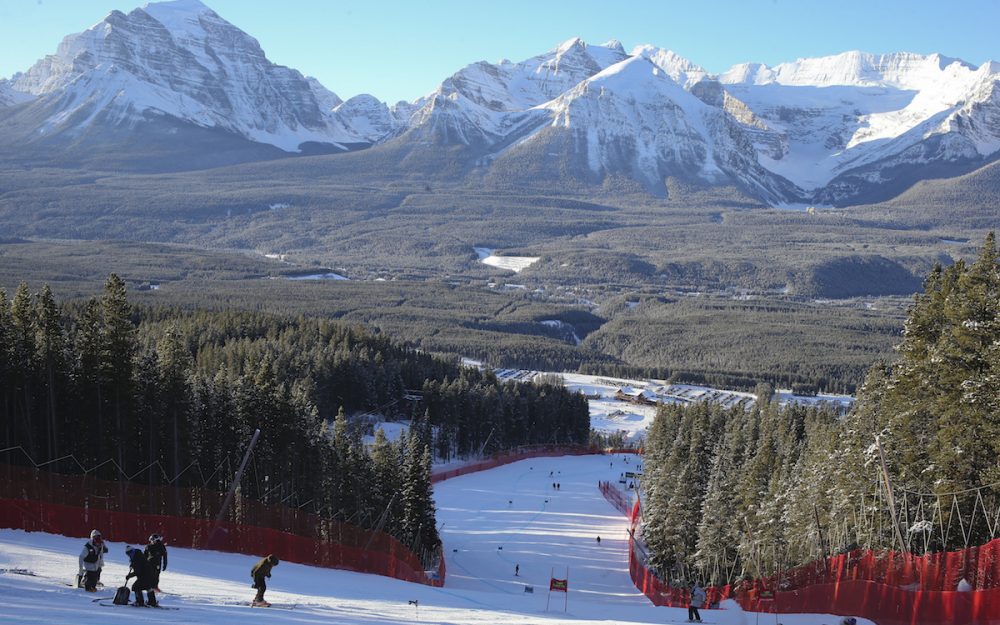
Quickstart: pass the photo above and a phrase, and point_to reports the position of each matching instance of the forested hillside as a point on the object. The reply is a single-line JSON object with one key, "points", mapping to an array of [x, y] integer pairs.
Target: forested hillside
{"points": [[735, 492], [174, 396]]}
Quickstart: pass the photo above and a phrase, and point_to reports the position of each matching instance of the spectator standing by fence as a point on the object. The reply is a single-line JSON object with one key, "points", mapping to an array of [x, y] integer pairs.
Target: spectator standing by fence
{"points": [[697, 601]]}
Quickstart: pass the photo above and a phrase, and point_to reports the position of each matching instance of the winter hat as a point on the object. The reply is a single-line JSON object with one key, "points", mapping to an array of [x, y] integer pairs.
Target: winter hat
{"points": [[94, 534], [274, 559]]}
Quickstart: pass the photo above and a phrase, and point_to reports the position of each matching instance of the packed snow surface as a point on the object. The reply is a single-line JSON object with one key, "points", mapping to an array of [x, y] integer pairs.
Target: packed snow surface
{"points": [[490, 522]]}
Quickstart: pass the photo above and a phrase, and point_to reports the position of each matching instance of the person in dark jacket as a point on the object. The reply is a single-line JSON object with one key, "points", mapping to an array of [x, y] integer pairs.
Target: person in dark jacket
{"points": [[140, 569], [156, 554], [259, 572], [92, 561]]}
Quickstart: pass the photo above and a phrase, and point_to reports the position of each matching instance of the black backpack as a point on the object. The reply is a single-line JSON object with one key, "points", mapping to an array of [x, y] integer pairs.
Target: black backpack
{"points": [[122, 595]]}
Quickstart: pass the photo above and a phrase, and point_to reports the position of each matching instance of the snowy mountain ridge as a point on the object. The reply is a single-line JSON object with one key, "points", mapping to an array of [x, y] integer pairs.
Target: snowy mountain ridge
{"points": [[819, 130], [182, 60]]}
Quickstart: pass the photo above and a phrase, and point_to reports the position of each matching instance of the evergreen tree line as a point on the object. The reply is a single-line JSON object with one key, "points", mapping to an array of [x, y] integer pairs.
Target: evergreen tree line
{"points": [[731, 492], [105, 380]]}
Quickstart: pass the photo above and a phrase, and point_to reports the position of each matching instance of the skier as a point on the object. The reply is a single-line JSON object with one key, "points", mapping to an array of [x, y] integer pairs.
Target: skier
{"points": [[260, 571], [142, 571], [598, 540], [92, 561], [517, 570], [156, 554], [697, 601]]}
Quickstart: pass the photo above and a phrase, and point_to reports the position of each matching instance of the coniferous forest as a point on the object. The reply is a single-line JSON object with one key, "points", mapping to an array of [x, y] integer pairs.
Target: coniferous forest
{"points": [[731, 493], [174, 396]]}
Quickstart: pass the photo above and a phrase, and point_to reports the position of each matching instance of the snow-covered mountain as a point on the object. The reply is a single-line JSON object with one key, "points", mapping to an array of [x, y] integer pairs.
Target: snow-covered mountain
{"points": [[827, 130], [850, 121], [831, 130], [634, 119], [178, 59]]}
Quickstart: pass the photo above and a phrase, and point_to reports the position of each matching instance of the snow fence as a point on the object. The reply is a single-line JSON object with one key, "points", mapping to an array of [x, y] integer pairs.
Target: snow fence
{"points": [[889, 588], [523, 453], [72, 505]]}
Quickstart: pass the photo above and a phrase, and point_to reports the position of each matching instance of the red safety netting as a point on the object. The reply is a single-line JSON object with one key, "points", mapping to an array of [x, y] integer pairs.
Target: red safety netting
{"points": [[888, 588], [72, 505], [616, 497]]}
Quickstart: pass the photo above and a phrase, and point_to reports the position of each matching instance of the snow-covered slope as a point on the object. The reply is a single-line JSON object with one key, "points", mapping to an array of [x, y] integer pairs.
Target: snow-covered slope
{"points": [[178, 59], [9, 95], [490, 522]]}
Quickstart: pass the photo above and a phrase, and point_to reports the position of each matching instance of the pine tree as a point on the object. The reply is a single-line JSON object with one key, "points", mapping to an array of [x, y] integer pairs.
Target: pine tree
{"points": [[118, 365], [23, 366], [6, 371], [51, 344]]}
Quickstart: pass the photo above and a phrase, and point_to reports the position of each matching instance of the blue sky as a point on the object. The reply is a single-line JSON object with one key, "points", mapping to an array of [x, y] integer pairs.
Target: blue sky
{"points": [[401, 49]]}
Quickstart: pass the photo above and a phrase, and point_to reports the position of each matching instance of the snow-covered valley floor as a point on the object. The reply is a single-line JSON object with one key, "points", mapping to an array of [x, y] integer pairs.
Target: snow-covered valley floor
{"points": [[490, 522]]}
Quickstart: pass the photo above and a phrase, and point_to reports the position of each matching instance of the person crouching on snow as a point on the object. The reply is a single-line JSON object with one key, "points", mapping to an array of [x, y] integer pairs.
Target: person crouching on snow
{"points": [[140, 569]]}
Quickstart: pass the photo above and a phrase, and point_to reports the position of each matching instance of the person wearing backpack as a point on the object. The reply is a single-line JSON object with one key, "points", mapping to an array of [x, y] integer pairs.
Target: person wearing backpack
{"points": [[156, 554], [141, 570], [92, 561], [698, 597], [259, 572]]}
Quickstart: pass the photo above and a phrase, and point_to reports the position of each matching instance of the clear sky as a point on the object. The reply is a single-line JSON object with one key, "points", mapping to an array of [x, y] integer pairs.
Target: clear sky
{"points": [[402, 49]]}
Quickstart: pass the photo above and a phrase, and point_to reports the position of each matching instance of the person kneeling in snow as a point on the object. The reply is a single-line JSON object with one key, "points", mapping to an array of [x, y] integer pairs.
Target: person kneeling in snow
{"points": [[260, 571], [140, 569]]}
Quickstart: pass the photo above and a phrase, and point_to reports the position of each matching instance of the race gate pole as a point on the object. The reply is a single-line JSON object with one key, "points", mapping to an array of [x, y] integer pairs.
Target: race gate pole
{"points": [[549, 598], [566, 606]]}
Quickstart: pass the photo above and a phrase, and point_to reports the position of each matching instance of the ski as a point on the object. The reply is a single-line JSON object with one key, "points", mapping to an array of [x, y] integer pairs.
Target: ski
{"points": [[274, 606], [18, 572], [132, 605]]}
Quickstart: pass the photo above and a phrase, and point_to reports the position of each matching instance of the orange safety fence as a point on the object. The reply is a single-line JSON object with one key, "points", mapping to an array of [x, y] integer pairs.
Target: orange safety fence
{"points": [[72, 505], [887, 587]]}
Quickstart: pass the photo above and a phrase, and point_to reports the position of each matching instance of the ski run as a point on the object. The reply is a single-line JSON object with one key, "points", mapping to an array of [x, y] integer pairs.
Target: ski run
{"points": [[491, 522]]}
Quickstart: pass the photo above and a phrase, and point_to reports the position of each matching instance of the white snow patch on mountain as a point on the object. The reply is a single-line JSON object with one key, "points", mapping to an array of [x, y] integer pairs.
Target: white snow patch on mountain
{"points": [[510, 263]]}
